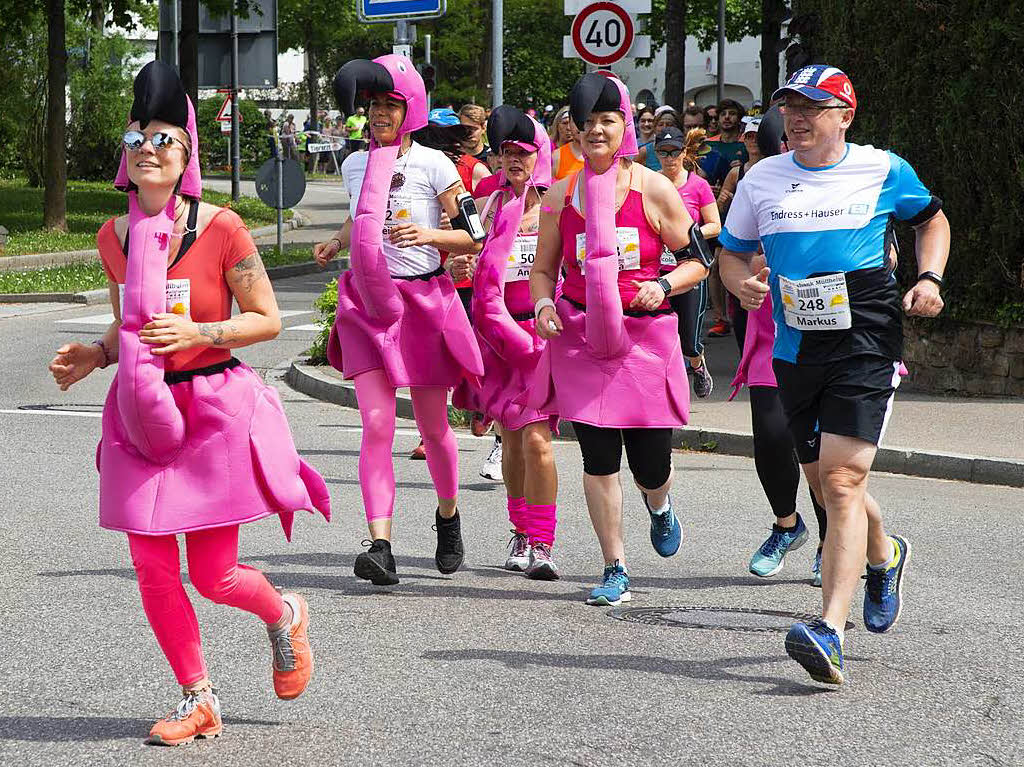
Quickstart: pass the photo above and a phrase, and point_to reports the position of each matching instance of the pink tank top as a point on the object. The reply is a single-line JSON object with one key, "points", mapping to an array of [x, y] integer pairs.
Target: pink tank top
{"points": [[639, 246]]}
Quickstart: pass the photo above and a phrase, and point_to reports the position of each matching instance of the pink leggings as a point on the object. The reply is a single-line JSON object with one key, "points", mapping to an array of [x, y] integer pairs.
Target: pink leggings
{"points": [[214, 571], [376, 469]]}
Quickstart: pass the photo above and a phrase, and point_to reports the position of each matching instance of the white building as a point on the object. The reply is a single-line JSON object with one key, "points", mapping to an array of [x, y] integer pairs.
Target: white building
{"points": [[742, 73]]}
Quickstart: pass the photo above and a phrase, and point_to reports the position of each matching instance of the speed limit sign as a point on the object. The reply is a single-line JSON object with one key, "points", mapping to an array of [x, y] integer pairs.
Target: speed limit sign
{"points": [[602, 33]]}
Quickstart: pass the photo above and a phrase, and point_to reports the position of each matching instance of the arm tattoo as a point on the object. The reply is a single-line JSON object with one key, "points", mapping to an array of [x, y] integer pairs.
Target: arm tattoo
{"points": [[249, 271], [219, 333]]}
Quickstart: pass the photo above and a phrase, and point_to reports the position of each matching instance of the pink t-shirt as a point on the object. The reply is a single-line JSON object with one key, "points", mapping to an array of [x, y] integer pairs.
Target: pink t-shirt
{"points": [[696, 193]]}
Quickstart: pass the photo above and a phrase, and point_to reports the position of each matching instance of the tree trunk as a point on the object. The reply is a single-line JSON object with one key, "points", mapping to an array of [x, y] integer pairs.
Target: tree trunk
{"points": [[188, 49], [771, 29], [56, 182], [675, 53], [312, 83], [97, 13]]}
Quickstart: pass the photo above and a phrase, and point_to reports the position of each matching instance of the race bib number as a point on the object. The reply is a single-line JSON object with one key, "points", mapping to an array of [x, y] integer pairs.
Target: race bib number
{"points": [[627, 240], [817, 303], [400, 211], [178, 293], [520, 260]]}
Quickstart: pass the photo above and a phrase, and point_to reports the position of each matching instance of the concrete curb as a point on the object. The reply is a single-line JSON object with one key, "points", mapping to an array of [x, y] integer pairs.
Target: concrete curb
{"points": [[63, 258], [101, 296], [895, 460]]}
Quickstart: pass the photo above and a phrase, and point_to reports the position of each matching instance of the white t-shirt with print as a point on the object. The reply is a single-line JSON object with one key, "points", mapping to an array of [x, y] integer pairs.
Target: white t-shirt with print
{"points": [[425, 173]]}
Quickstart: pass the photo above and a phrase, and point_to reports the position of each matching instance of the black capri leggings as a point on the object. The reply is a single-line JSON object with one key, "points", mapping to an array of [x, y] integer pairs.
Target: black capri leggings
{"points": [[648, 451], [690, 307]]}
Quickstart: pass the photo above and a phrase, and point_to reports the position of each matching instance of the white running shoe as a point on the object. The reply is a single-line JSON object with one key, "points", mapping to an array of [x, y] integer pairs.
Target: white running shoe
{"points": [[492, 465], [518, 552]]}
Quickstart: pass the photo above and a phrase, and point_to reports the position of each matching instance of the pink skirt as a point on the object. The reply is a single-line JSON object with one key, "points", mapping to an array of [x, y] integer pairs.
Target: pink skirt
{"points": [[431, 344], [644, 388], [238, 463], [755, 367], [503, 392]]}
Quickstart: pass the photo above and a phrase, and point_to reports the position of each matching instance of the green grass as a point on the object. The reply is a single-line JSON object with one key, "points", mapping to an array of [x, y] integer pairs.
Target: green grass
{"points": [[90, 204], [74, 278]]}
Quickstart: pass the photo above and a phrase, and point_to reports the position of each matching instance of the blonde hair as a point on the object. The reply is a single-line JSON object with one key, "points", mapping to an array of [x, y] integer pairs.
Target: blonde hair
{"points": [[694, 138], [474, 112], [553, 128]]}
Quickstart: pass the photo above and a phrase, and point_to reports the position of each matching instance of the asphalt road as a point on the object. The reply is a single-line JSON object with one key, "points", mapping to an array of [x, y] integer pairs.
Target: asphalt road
{"points": [[484, 667]]}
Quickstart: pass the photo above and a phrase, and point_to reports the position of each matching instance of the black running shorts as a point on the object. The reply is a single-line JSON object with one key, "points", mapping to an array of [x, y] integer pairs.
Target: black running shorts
{"points": [[851, 397]]}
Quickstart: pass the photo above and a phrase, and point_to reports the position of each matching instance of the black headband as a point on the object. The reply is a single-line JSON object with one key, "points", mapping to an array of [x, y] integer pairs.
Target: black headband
{"points": [[593, 93]]}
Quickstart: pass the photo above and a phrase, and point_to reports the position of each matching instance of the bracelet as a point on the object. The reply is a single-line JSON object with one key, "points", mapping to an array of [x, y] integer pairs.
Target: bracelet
{"points": [[541, 304], [932, 276], [335, 239], [106, 354]]}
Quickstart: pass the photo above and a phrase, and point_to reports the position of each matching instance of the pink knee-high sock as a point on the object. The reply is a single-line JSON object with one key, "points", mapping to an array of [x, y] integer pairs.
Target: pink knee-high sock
{"points": [[540, 523], [376, 467], [430, 406], [517, 513]]}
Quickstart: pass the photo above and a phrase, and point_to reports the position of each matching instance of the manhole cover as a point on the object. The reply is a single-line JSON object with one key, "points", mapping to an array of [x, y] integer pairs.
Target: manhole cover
{"points": [[714, 618]]}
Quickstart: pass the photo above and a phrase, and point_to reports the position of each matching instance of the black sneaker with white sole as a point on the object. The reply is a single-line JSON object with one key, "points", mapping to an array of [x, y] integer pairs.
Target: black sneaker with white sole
{"points": [[450, 552], [377, 564], [703, 383]]}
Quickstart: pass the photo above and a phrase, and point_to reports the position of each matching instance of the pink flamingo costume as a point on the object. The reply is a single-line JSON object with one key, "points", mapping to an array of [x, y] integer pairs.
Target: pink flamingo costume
{"points": [[503, 312], [611, 367], [199, 455]]}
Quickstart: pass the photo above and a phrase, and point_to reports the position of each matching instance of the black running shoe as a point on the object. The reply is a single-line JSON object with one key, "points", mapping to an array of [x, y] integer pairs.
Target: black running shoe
{"points": [[377, 564], [450, 553]]}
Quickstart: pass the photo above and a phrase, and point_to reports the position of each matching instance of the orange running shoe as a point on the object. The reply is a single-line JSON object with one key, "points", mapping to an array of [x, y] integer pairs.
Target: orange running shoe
{"points": [[197, 716], [293, 658]]}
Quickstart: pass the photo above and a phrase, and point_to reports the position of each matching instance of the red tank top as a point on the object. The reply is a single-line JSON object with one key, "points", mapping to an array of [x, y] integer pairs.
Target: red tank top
{"points": [[465, 166], [642, 246]]}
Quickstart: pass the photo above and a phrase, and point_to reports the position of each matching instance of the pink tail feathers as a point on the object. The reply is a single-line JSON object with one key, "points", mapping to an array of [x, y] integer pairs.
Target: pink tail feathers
{"points": [[606, 332], [150, 417]]}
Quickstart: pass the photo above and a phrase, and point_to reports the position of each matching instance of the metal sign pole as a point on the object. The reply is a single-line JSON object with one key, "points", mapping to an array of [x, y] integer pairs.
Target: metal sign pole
{"points": [[426, 60], [279, 167], [174, 33], [497, 52], [236, 158]]}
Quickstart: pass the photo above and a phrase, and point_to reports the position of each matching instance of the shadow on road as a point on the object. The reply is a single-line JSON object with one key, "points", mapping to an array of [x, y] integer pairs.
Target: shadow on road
{"points": [[719, 670], [65, 729]]}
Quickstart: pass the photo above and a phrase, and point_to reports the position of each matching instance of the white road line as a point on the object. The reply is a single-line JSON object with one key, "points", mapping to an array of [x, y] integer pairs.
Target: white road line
{"points": [[305, 328], [77, 413]]}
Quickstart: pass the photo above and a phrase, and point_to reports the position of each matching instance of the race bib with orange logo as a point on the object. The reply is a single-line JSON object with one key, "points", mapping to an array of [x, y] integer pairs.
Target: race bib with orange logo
{"points": [[817, 303], [179, 295], [627, 240]]}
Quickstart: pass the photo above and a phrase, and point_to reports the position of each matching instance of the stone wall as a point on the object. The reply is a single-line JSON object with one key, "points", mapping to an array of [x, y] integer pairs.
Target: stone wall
{"points": [[964, 358]]}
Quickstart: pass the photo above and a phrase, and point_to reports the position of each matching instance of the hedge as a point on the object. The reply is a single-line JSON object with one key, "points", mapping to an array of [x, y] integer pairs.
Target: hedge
{"points": [[939, 83]]}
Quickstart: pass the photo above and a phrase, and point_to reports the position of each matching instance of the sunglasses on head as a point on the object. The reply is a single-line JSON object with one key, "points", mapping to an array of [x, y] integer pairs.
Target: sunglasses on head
{"points": [[134, 140]]}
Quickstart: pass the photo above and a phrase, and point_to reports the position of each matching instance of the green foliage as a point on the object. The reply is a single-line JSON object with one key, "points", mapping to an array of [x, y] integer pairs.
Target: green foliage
{"points": [[23, 97], [938, 82], [742, 18], [101, 98], [535, 72], [253, 137], [326, 305], [90, 204], [72, 278]]}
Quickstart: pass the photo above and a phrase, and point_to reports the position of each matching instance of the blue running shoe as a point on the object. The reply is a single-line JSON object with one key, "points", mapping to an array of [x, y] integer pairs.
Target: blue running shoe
{"points": [[615, 588], [816, 569], [769, 559], [666, 532], [883, 590], [816, 647]]}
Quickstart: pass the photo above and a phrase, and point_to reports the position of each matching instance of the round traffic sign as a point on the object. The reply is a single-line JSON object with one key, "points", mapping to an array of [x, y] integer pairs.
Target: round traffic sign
{"points": [[293, 188], [602, 33]]}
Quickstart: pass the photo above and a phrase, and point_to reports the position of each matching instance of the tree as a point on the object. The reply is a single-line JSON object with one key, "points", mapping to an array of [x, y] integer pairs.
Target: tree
{"points": [[55, 194], [675, 51], [535, 72], [772, 13]]}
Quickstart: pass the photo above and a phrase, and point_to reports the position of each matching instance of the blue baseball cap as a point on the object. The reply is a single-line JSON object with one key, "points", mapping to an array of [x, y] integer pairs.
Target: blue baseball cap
{"points": [[819, 82], [443, 116]]}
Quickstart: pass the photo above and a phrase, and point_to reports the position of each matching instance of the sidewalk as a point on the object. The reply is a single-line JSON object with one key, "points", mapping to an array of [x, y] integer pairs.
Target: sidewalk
{"points": [[972, 440]]}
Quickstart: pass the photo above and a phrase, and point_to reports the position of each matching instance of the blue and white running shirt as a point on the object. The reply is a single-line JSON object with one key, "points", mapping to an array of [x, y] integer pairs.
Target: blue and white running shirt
{"points": [[835, 219]]}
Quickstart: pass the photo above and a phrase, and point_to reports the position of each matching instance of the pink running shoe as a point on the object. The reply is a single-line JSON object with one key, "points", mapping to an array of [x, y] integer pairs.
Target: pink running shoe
{"points": [[542, 567]]}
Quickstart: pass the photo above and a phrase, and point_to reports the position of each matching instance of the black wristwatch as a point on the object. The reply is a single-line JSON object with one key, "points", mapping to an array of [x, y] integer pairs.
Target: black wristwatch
{"points": [[936, 278], [665, 285]]}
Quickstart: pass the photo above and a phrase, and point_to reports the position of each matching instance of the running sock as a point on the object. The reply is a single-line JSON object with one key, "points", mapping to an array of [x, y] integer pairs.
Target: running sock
{"points": [[839, 632], [661, 509], [889, 562], [517, 514], [541, 520]]}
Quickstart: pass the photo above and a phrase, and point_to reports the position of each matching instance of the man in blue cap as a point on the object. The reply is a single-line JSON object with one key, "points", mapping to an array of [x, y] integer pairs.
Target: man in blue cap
{"points": [[821, 213]]}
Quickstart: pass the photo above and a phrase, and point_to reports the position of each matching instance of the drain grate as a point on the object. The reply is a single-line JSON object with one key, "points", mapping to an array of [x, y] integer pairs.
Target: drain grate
{"points": [[744, 619]]}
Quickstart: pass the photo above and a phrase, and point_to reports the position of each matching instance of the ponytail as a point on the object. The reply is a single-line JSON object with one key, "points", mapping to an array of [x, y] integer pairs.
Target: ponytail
{"points": [[694, 140]]}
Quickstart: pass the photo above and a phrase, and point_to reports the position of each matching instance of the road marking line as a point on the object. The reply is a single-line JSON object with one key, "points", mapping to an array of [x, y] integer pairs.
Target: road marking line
{"points": [[305, 328], [78, 413]]}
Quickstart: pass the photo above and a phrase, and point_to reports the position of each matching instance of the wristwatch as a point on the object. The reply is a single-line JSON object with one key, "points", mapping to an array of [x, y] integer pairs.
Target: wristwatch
{"points": [[665, 285], [936, 278]]}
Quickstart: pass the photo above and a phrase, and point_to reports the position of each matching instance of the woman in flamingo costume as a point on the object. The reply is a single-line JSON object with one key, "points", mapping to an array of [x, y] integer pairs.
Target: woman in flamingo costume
{"points": [[400, 321], [504, 323], [193, 442]]}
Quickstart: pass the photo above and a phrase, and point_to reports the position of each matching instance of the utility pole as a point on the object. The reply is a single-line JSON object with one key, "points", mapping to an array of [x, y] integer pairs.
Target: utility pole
{"points": [[236, 154], [427, 60], [497, 52], [721, 50]]}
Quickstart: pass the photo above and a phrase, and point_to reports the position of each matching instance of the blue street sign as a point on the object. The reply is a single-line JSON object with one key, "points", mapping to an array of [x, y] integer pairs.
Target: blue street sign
{"points": [[387, 11]]}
